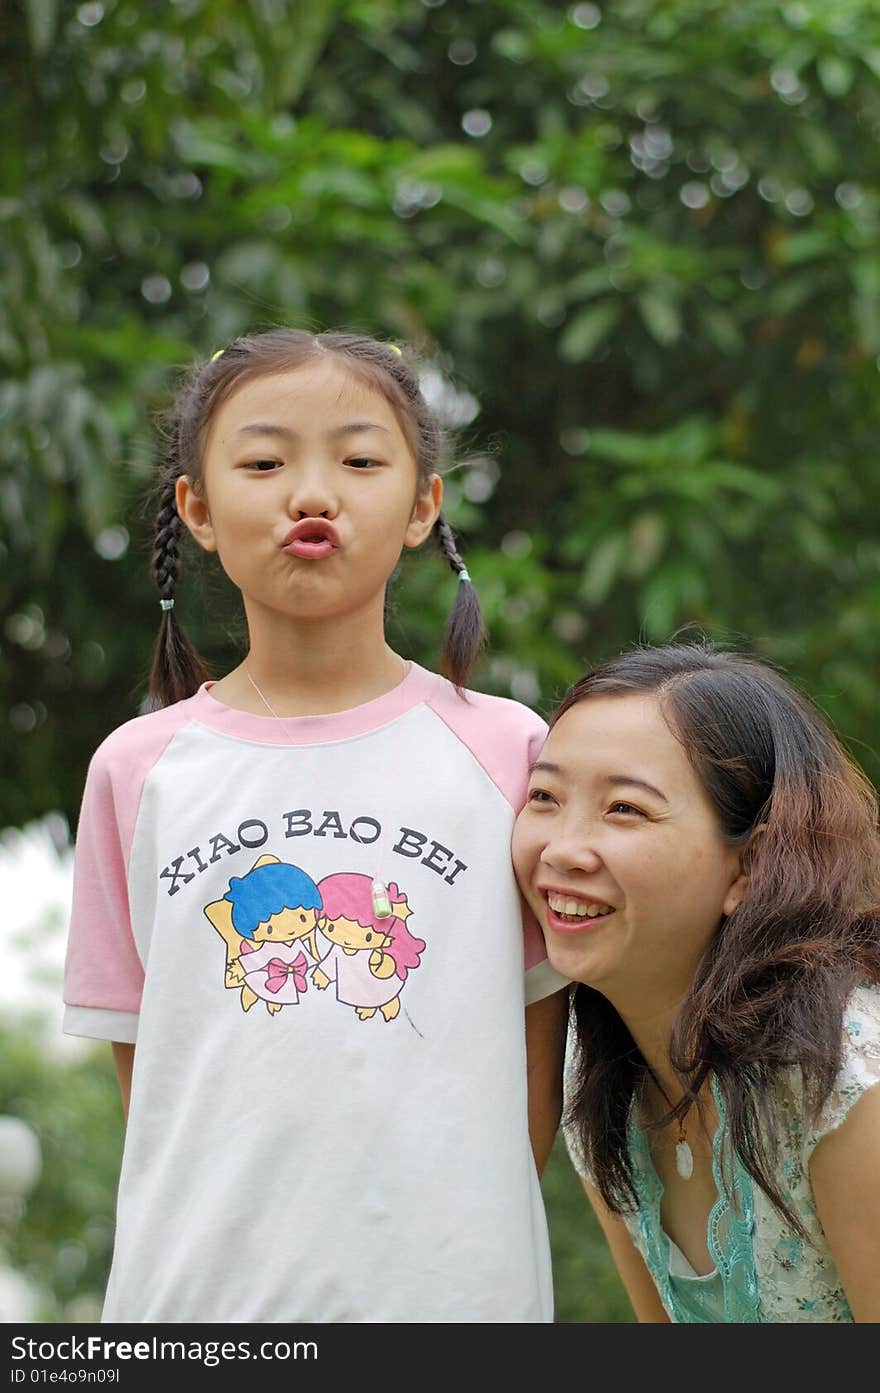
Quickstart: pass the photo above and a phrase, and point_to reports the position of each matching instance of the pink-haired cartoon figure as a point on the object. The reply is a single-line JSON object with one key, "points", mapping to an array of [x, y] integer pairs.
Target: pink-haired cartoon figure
{"points": [[266, 919], [370, 958]]}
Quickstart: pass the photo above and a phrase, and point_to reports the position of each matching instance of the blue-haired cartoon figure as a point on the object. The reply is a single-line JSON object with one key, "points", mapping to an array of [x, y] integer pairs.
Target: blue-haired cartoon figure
{"points": [[267, 919]]}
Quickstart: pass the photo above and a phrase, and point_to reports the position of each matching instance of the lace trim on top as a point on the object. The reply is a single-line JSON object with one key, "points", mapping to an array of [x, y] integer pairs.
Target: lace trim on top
{"points": [[729, 1231], [784, 1279]]}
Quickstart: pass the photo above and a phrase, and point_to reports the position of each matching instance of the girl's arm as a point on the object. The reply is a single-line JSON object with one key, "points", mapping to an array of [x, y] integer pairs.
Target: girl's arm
{"points": [[629, 1262], [123, 1058], [846, 1186], [546, 1022]]}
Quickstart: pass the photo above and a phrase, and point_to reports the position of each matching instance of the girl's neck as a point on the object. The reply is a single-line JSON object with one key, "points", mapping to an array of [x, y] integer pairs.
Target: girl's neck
{"points": [[310, 671]]}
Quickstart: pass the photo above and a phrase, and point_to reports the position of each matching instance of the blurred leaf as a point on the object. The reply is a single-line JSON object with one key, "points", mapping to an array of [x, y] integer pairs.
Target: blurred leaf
{"points": [[42, 18], [835, 74], [661, 315], [586, 330]]}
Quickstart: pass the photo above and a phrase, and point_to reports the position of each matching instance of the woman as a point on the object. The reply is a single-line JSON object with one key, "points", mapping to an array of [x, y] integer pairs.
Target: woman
{"points": [[705, 864]]}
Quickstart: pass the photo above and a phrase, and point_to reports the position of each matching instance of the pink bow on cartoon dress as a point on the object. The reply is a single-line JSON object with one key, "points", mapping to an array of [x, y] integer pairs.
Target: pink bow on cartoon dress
{"points": [[278, 971]]}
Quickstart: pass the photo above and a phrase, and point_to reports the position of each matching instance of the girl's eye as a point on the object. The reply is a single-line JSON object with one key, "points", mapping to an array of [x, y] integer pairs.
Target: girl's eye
{"points": [[626, 810], [369, 938], [303, 919], [262, 466], [363, 462]]}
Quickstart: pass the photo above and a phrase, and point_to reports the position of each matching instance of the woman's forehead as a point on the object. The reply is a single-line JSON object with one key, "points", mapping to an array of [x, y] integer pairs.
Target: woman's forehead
{"points": [[628, 732]]}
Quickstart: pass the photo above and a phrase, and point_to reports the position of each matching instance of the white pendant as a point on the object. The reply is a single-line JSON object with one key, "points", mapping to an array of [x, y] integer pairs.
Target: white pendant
{"points": [[684, 1160]]}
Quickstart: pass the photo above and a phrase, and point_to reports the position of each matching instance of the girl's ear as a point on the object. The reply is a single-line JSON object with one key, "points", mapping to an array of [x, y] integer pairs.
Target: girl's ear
{"points": [[192, 507], [425, 511]]}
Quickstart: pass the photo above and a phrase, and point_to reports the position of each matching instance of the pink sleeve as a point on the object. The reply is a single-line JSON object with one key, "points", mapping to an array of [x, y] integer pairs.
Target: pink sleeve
{"points": [[506, 738], [103, 977]]}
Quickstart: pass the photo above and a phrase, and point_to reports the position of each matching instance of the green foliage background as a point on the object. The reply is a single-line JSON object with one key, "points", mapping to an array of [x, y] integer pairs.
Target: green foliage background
{"points": [[638, 243]]}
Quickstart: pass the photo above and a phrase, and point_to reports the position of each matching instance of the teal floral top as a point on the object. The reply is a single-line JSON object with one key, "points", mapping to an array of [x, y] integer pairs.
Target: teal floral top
{"points": [[763, 1271]]}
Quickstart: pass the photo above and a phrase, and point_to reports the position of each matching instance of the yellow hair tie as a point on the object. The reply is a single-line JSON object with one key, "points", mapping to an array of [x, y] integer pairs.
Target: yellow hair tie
{"points": [[395, 349], [218, 354]]}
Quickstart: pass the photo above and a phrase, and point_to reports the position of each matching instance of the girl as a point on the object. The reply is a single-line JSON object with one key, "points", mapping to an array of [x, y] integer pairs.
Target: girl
{"points": [[704, 860], [307, 463]]}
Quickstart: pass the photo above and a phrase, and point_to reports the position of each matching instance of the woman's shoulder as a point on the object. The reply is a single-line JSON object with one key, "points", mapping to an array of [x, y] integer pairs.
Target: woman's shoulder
{"points": [[861, 1034], [860, 1062]]}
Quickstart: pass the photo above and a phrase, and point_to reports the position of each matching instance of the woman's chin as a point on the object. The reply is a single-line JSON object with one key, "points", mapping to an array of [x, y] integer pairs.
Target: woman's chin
{"points": [[573, 956]]}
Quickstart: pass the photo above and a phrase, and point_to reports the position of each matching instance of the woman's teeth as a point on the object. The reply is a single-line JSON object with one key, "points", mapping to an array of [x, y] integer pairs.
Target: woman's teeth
{"points": [[578, 909]]}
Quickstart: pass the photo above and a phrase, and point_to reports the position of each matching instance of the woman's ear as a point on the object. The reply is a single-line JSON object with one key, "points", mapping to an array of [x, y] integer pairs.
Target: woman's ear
{"points": [[737, 890], [192, 508], [735, 894], [425, 512]]}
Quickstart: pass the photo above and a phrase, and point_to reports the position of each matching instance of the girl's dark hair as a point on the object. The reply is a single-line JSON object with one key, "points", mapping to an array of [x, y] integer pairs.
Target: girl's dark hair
{"points": [[177, 669], [770, 991]]}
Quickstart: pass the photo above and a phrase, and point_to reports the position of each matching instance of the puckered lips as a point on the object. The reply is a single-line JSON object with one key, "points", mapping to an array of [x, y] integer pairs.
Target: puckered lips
{"points": [[570, 912], [312, 539]]}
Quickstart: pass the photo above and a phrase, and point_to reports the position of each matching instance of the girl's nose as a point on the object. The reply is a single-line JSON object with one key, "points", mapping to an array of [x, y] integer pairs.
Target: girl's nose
{"points": [[312, 494]]}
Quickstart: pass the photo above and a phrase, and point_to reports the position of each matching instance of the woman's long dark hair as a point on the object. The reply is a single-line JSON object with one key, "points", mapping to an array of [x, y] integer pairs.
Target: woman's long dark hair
{"points": [[770, 991], [388, 369]]}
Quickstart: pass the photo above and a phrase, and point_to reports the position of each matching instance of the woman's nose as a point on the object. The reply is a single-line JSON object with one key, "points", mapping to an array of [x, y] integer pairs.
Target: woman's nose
{"points": [[571, 850]]}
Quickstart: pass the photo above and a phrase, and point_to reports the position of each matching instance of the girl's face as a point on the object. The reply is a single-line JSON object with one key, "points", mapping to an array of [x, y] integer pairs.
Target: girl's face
{"points": [[309, 493], [619, 853]]}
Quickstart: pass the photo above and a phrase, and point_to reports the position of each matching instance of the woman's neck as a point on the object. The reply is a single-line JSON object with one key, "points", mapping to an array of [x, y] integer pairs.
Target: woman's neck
{"points": [[652, 1032], [311, 670]]}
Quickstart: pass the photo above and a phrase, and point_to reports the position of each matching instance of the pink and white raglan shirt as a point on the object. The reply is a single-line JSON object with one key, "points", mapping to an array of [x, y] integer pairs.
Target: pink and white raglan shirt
{"points": [[338, 1146]]}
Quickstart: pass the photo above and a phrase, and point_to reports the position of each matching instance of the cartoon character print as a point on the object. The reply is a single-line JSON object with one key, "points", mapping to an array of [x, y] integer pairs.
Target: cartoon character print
{"points": [[268, 919], [369, 958]]}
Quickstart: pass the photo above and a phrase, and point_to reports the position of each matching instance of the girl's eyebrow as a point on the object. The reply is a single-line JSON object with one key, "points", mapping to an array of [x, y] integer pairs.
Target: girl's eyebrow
{"points": [[273, 428], [609, 780]]}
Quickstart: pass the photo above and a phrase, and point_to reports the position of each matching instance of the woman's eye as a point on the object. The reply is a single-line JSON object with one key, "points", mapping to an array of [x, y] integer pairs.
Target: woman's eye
{"points": [[626, 810], [362, 462], [539, 795]]}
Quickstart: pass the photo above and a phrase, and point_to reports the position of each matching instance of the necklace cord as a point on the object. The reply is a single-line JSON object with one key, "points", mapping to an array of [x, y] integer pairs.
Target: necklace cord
{"points": [[381, 901]]}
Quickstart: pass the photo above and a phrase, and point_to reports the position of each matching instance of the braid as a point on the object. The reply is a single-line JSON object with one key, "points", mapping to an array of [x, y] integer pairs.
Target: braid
{"points": [[165, 544], [178, 671], [465, 632], [446, 538]]}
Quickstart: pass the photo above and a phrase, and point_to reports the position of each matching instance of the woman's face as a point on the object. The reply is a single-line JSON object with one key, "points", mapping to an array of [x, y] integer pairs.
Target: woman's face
{"points": [[619, 853]]}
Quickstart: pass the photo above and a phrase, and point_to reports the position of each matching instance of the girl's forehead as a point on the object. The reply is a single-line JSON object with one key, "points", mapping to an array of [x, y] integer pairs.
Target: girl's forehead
{"points": [[321, 391]]}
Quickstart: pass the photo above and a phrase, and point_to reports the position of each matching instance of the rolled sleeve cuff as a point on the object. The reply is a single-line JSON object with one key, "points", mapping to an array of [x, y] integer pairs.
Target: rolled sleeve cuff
{"points": [[99, 1024]]}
